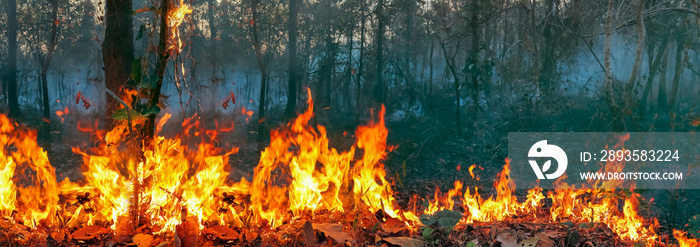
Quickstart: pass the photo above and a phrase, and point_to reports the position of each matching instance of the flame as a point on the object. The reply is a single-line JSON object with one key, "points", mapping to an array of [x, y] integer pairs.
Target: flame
{"points": [[299, 174], [683, 240], [175, 17]]}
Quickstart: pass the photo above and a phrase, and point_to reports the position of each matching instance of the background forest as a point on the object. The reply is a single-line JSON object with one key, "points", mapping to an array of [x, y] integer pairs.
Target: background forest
{"points": [[455, 76]]}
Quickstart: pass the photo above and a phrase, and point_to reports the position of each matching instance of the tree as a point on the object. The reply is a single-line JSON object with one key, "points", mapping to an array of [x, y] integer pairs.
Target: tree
{"points": [[262, 65], [11, 72], [380, 87], [292, 53], [117, 50], [45, 67]]}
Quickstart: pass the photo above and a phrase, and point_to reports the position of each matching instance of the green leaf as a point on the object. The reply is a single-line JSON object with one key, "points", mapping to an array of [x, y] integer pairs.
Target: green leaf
{"points": [[149, 82], [471, 244], [446, 218], [151, 110], [427, 219], [427, 234], [141, 29], [121, 114], [136, 70]]}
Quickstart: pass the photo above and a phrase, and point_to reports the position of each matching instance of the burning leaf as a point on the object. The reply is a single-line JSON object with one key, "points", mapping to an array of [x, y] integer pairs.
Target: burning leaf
{"points": [[89, 232], [230, 98], [334, 231], [222, 232], [142, 240], [405, 241], [80, 97]]}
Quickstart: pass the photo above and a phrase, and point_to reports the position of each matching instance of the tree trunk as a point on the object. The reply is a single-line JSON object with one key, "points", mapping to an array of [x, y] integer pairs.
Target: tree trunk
{"points": [[627, 95], [430, 91], [474, 61], [548, 58], [680, 59], [292, 51], [11, 76], [45, 64], [360, 68], [662, 99], [117, 51], [450, 62], [163, 56], [349, 69], [652, 74], [212, 40], [609, 97], [380, 87], [263, 71]]}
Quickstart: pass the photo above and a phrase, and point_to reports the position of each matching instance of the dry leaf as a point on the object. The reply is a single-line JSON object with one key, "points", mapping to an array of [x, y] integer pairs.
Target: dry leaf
{"points": [[188, 232], [309, 237], [544, 240], [507, 239], [142, 240], [405, 241], [530, 242], [334, 231]]}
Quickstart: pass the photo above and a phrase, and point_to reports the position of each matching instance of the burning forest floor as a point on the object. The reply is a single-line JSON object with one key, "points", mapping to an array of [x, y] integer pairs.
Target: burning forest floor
{"points": [[309, 187]]}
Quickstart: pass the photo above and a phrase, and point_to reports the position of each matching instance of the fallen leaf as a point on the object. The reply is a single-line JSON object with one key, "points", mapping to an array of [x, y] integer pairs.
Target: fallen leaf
{"points": [[89, 232], [142, 240], [530, 242], [405, 241], [334, 231], [309, 237], [544, 240], [507, 239]]}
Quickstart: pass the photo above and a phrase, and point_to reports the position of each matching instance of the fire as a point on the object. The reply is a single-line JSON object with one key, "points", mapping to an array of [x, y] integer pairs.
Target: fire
{"points": [[320, 175], [299, 175], [684, 240], [175, 17]]}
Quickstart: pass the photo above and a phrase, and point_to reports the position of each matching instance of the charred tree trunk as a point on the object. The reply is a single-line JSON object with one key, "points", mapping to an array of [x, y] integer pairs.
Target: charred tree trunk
{"points": [[653, 68], [292, 51], [380, 87], [662, 99], [263, 71], [45, 64], [212, 40], [360, 68], [450, 62], [680, 60], [11, 76], [627, 95], [117, 50], [474, 60]]}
